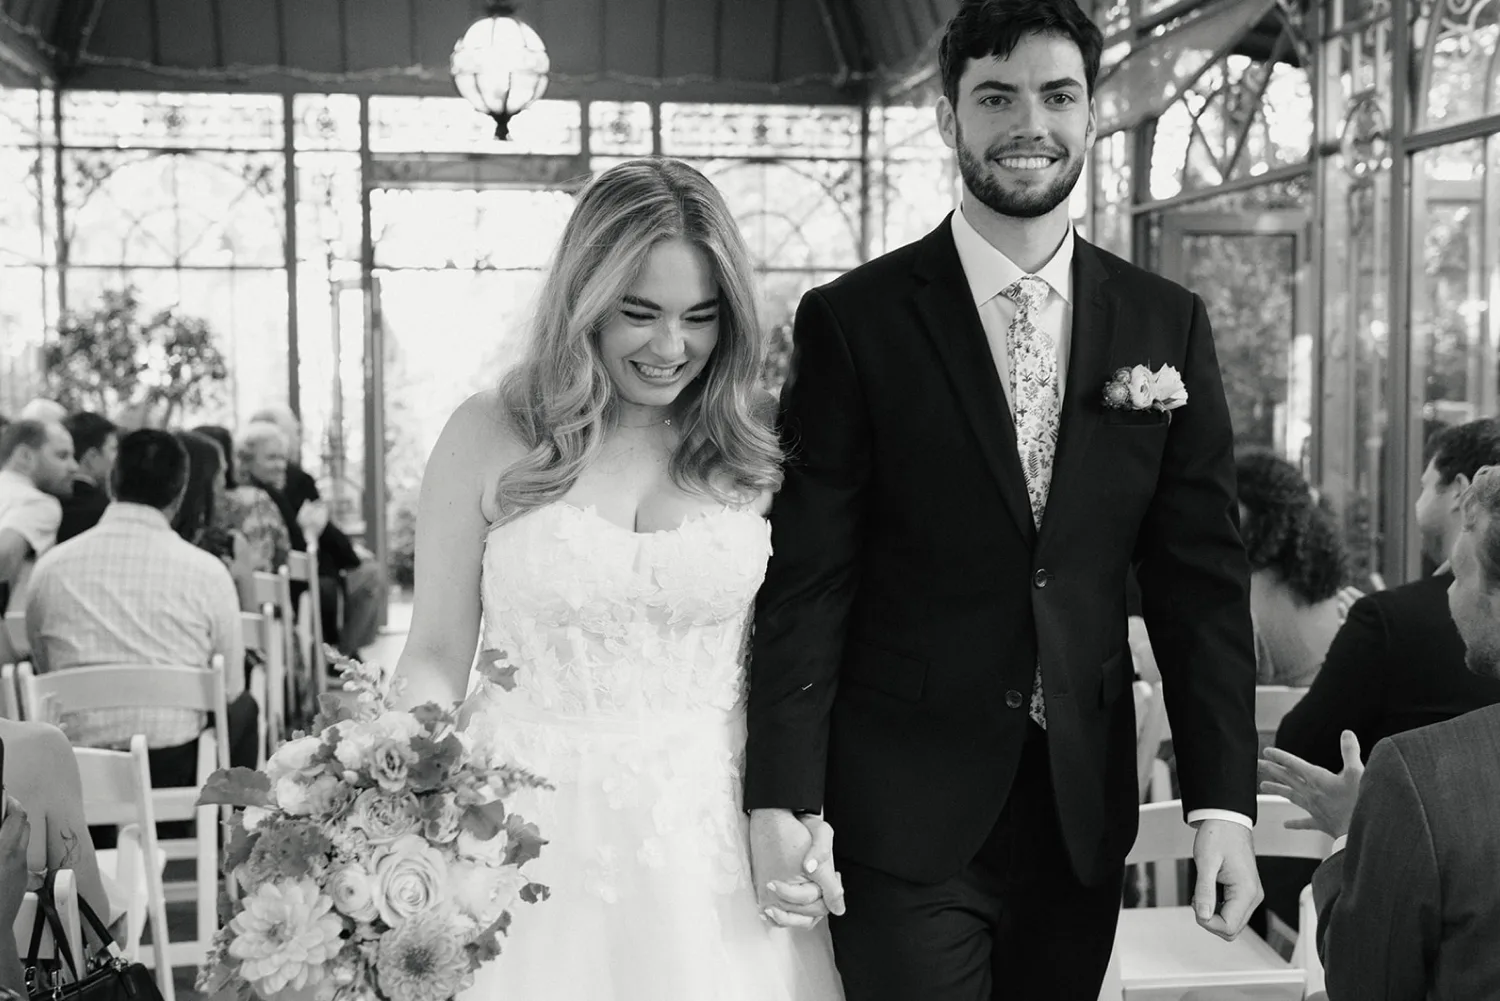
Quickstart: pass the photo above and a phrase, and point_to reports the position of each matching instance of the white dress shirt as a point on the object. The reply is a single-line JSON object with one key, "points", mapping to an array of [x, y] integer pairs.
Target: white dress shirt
{"points": [[989, 272], [33, 515]]}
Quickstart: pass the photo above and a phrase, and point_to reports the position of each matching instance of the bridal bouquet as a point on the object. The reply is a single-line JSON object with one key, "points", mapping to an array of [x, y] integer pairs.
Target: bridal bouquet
{"points": [[374, 858]]}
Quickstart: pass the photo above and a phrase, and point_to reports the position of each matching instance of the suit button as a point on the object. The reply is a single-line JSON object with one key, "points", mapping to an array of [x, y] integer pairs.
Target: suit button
{"points": [[1040, 578], [1013, 699]]}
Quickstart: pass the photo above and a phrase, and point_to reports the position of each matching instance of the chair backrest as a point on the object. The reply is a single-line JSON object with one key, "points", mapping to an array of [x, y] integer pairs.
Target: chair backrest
{"points": [[117, 792], [15, 634], [10, 697], [65, 894], [302, 566], [1272, 702], [129, 686], [1163, 835], [117, 787], [1150, 731], [253, 628], [265, 589]]}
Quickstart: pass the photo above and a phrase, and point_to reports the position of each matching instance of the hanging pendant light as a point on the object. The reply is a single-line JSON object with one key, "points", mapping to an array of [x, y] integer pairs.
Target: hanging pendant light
{"points": [[500, 65]]}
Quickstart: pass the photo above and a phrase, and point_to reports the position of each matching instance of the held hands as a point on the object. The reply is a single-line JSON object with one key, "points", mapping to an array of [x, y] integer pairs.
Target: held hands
{"points": [[791, 861], [1328, 798], [1225, 858]]}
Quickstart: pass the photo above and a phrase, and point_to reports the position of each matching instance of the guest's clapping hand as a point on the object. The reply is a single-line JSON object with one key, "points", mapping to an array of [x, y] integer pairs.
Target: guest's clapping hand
{"points": [[1328, 798], [1345, 600], [312, 518]]}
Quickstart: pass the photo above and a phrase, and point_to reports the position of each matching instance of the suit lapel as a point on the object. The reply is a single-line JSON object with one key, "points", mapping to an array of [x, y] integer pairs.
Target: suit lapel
{"points": [[1088, 371], [951, 322]]}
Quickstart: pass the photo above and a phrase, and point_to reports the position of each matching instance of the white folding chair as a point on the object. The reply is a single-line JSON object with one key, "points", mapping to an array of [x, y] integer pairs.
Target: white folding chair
{"points": [[10, 699], [1150, 731], [303, 568], [1162, 949], [262, 631], [134, 686], [15, 645], [1272, 702], [117, 791], [65, 895]]}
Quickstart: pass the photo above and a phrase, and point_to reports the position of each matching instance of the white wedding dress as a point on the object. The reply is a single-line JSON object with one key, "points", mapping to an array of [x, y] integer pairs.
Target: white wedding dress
{"points": [[630, 699]]}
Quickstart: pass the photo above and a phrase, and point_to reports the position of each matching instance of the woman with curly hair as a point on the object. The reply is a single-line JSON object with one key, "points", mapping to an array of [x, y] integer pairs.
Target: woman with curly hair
{"points": [[1297, 565]]}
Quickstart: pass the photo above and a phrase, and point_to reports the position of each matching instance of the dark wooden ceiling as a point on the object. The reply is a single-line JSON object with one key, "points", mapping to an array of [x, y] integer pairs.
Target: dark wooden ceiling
{"points": [[723, 50]]}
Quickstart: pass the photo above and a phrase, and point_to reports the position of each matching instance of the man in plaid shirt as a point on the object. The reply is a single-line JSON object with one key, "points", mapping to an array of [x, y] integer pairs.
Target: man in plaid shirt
{"points": [[130, 590]]}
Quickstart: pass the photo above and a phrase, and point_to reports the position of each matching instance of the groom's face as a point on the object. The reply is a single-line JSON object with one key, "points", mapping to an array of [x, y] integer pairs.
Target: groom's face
{"points": [[1022, 126]]}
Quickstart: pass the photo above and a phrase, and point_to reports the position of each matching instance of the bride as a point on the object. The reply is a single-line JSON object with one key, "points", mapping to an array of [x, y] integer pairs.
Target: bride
{"points": [[600, 521]]}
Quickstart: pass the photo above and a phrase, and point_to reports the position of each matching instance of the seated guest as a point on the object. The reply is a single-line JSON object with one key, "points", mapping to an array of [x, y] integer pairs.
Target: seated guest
{"points": [[131, 590], [36, 468], [96, 442], [344, 570], [44, 410], [249, 510], [1407, 903], [1398, 662], [1297, 564]]}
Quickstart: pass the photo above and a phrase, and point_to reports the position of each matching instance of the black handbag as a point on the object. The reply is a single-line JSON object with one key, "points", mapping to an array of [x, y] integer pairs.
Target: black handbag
{"points": [[103, 976]]}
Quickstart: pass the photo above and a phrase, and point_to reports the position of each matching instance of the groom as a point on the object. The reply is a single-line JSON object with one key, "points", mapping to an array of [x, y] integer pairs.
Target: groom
{"points": [[940, 659]]}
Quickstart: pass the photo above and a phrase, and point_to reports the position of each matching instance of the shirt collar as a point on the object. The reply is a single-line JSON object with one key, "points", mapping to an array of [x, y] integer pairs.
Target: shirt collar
{"points": [[990, 272], [144, 515]]}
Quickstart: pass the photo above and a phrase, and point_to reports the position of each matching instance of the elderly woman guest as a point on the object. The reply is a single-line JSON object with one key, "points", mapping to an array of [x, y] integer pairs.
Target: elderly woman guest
{"points": [[246, 508]]}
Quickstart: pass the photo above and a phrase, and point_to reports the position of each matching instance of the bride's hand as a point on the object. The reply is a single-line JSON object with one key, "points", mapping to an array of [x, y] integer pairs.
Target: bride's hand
{"points": [[806, 899]]}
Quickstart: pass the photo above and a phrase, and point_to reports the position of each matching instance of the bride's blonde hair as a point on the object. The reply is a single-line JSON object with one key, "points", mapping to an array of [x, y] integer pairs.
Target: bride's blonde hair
{"points": [[560, 400]]}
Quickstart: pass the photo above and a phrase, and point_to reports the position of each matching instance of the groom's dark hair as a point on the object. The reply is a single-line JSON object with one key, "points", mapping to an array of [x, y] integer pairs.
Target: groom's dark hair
{"points": [[984, 28]]}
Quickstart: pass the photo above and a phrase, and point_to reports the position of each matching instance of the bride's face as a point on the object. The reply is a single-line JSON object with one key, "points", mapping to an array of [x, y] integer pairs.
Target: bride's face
{"points": [[666, 327]]}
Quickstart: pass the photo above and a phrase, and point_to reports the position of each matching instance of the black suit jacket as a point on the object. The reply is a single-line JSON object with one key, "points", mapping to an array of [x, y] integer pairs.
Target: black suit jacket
{"points": [[1408, 911], [910, 596], [336, 552], [81, 510], [1396, 664]]}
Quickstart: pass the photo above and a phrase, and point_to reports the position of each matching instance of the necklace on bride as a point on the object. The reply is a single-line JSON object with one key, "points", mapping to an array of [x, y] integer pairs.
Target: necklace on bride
{"points": [[664, 422]]}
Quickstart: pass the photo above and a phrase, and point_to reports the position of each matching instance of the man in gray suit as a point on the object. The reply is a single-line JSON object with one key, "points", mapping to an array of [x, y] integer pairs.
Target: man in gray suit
{"points": [[1409, 902]]}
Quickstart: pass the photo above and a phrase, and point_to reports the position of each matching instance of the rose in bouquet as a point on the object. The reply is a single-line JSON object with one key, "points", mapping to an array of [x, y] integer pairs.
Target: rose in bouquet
{"points": [[372, 859]]}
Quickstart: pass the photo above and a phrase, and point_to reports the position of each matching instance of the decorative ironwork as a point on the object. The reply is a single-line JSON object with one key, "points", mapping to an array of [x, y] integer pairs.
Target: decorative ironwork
{"points": [[901, 132], [793, 213], [449, 125], [1460, 61], [1365, 144], [753, 130], [172, 120], [493, 229], [620, 128], [26, 117], [325, 121], [328, 206], [26, 210], [1241, 118], [132, 208]]}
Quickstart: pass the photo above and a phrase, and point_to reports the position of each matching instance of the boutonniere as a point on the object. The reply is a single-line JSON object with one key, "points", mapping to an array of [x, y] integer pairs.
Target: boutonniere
{"points": [[1139, 388]]}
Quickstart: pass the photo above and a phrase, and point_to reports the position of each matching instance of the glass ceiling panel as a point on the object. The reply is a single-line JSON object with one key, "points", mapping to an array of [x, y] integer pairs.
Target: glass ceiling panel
{"points": [[1145, 82]]}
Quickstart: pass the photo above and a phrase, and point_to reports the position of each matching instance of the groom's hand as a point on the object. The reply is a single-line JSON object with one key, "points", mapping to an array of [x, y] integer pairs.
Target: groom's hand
{"points": [[780, 844], [1225, 857]]}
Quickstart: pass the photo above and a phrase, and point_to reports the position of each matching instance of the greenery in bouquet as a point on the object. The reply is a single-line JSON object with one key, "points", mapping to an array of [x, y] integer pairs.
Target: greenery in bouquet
{"points": [[373, 858]]}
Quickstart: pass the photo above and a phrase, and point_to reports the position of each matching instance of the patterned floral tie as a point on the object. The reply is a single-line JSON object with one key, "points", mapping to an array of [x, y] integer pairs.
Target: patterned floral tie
{"points": [[1034, 398]]}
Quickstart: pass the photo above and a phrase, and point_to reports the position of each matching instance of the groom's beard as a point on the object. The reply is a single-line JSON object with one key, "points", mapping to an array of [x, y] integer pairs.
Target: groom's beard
{"points": [[1023, 204]]}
